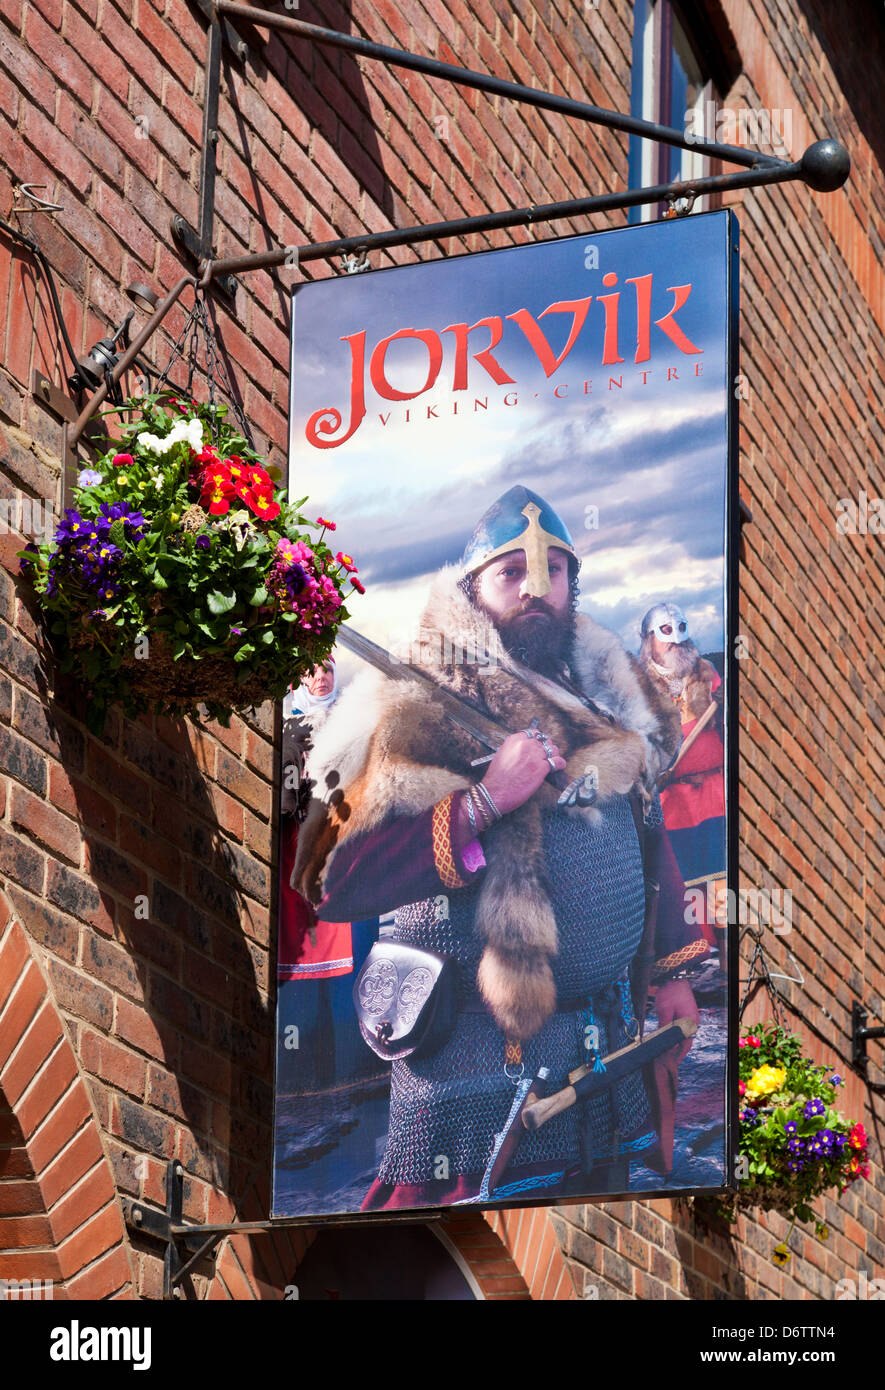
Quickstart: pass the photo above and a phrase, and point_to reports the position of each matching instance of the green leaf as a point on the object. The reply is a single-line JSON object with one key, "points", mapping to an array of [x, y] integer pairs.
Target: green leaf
{"points": [[220, 603], [244, 652], [117, 533], [258, 597]]}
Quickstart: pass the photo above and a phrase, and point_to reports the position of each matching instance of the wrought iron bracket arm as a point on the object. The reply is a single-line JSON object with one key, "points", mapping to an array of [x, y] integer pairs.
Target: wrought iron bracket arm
{"points": [[860, 1036]]}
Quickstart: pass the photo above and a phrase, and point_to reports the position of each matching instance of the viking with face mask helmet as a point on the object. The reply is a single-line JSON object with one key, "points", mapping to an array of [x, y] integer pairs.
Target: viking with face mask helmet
{"points": [[693, 792], [537, 905]]}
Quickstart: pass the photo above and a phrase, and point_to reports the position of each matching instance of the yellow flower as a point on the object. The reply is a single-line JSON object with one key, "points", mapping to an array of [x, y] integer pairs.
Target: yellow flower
{"points": [[122, 478], [765, 1080], [781, 1255], [173, 516]]}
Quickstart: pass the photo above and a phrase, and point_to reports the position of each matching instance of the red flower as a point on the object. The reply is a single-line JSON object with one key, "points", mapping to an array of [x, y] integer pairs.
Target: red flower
{"points": [[208, 454], [858, 1137], [329, 525], [217, 478], [259, 477], [742, 1086], [753, 1041], [217, 502], [262, 503], [123, 461], [239, 474], [347, 562], [358, 586]]}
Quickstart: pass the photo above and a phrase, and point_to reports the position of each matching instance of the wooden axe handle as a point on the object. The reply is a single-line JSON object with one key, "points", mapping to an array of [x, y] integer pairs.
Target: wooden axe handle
{"points": [[534, 1116], [544, 1110]]}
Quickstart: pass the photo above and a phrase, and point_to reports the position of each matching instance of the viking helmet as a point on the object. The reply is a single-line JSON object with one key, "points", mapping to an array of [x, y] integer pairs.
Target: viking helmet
{"points": [[520, 520], [667, 622]]}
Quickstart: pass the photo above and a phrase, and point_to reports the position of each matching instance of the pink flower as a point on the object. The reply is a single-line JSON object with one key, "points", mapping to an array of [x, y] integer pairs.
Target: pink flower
{"points": [[742, 1086], [329, 525], [123, 461]]}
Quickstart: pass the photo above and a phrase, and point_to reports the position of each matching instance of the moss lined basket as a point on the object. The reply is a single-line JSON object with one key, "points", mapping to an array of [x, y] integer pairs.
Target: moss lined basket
{"points": [[181, 577]]}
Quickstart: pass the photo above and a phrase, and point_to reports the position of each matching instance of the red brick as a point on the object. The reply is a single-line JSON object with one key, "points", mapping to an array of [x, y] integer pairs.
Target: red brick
{"points": [[135, 1025], [20, 1198], [44, 824], [106, 1278], [75, 1160], [60, 1126], [52, 145], [90, 1195], [71, 71], [19, 1232], [142, 843], [116, 1065], [81, 996], [20, 1009], [49, 1087], [14, 955], [32, 75], [43, 1036], [104, 1231]]}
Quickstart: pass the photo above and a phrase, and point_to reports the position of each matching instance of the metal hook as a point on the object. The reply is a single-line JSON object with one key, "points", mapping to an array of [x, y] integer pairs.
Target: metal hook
{"points": [[681, 204], [354, 265], [37, 204], [770, 974]]}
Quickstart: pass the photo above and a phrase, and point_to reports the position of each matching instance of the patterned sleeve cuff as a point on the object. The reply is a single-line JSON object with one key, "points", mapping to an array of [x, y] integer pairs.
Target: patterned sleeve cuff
{"points": [[668, 965], [443, 847]]}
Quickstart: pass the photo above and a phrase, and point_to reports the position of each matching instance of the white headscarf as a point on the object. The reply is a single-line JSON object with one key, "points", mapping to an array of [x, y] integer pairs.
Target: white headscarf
{"points": [[301, 701]]}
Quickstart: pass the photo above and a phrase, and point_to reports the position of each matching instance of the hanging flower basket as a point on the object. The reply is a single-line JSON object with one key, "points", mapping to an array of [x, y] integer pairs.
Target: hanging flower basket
{"points": [[182, 576], [794, 1142]]}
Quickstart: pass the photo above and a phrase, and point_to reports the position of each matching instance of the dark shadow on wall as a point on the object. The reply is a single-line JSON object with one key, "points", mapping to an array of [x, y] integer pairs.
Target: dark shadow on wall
{"points": [[150, 940], [706, 1246], [853, 40], [328, 86]]}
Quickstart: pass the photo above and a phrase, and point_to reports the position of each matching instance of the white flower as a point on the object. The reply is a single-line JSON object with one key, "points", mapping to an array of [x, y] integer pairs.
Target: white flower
{"points": [[189, 430], [195, 434]]}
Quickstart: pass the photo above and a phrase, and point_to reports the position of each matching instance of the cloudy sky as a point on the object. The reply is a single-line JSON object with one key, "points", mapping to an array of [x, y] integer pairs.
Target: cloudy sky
{"points": [[636, 471]]}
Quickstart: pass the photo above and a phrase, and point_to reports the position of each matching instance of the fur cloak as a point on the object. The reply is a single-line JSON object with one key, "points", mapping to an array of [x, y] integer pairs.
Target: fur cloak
{"points": [[696, 691], [388, 750]]}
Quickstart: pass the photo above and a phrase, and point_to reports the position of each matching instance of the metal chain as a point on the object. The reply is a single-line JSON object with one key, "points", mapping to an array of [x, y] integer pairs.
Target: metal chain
{"points": [[199, 326], [758, 971]]}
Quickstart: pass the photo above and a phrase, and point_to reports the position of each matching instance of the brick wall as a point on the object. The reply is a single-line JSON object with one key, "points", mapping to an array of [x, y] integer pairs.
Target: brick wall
{"points": [[168, 1021]]}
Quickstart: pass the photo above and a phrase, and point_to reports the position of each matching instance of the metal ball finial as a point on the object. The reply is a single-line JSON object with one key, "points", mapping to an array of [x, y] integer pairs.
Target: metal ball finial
{"points": [[825, 166]]}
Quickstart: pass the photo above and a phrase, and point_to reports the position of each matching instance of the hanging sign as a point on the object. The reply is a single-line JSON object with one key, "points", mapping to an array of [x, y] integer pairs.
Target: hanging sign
{"points": [[505, 843]]}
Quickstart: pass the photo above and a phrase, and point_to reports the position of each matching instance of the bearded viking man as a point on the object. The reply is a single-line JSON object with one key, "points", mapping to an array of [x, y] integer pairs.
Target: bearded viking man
{"points": [[538, 899]]}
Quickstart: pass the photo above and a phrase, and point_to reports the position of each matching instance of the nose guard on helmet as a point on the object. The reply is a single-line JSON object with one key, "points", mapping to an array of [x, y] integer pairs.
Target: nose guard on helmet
{"points": [[520, 520]]}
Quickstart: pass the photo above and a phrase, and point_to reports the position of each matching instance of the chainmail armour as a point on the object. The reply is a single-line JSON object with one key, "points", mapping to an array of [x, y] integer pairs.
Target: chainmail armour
{"points": [[453, 1103]]}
